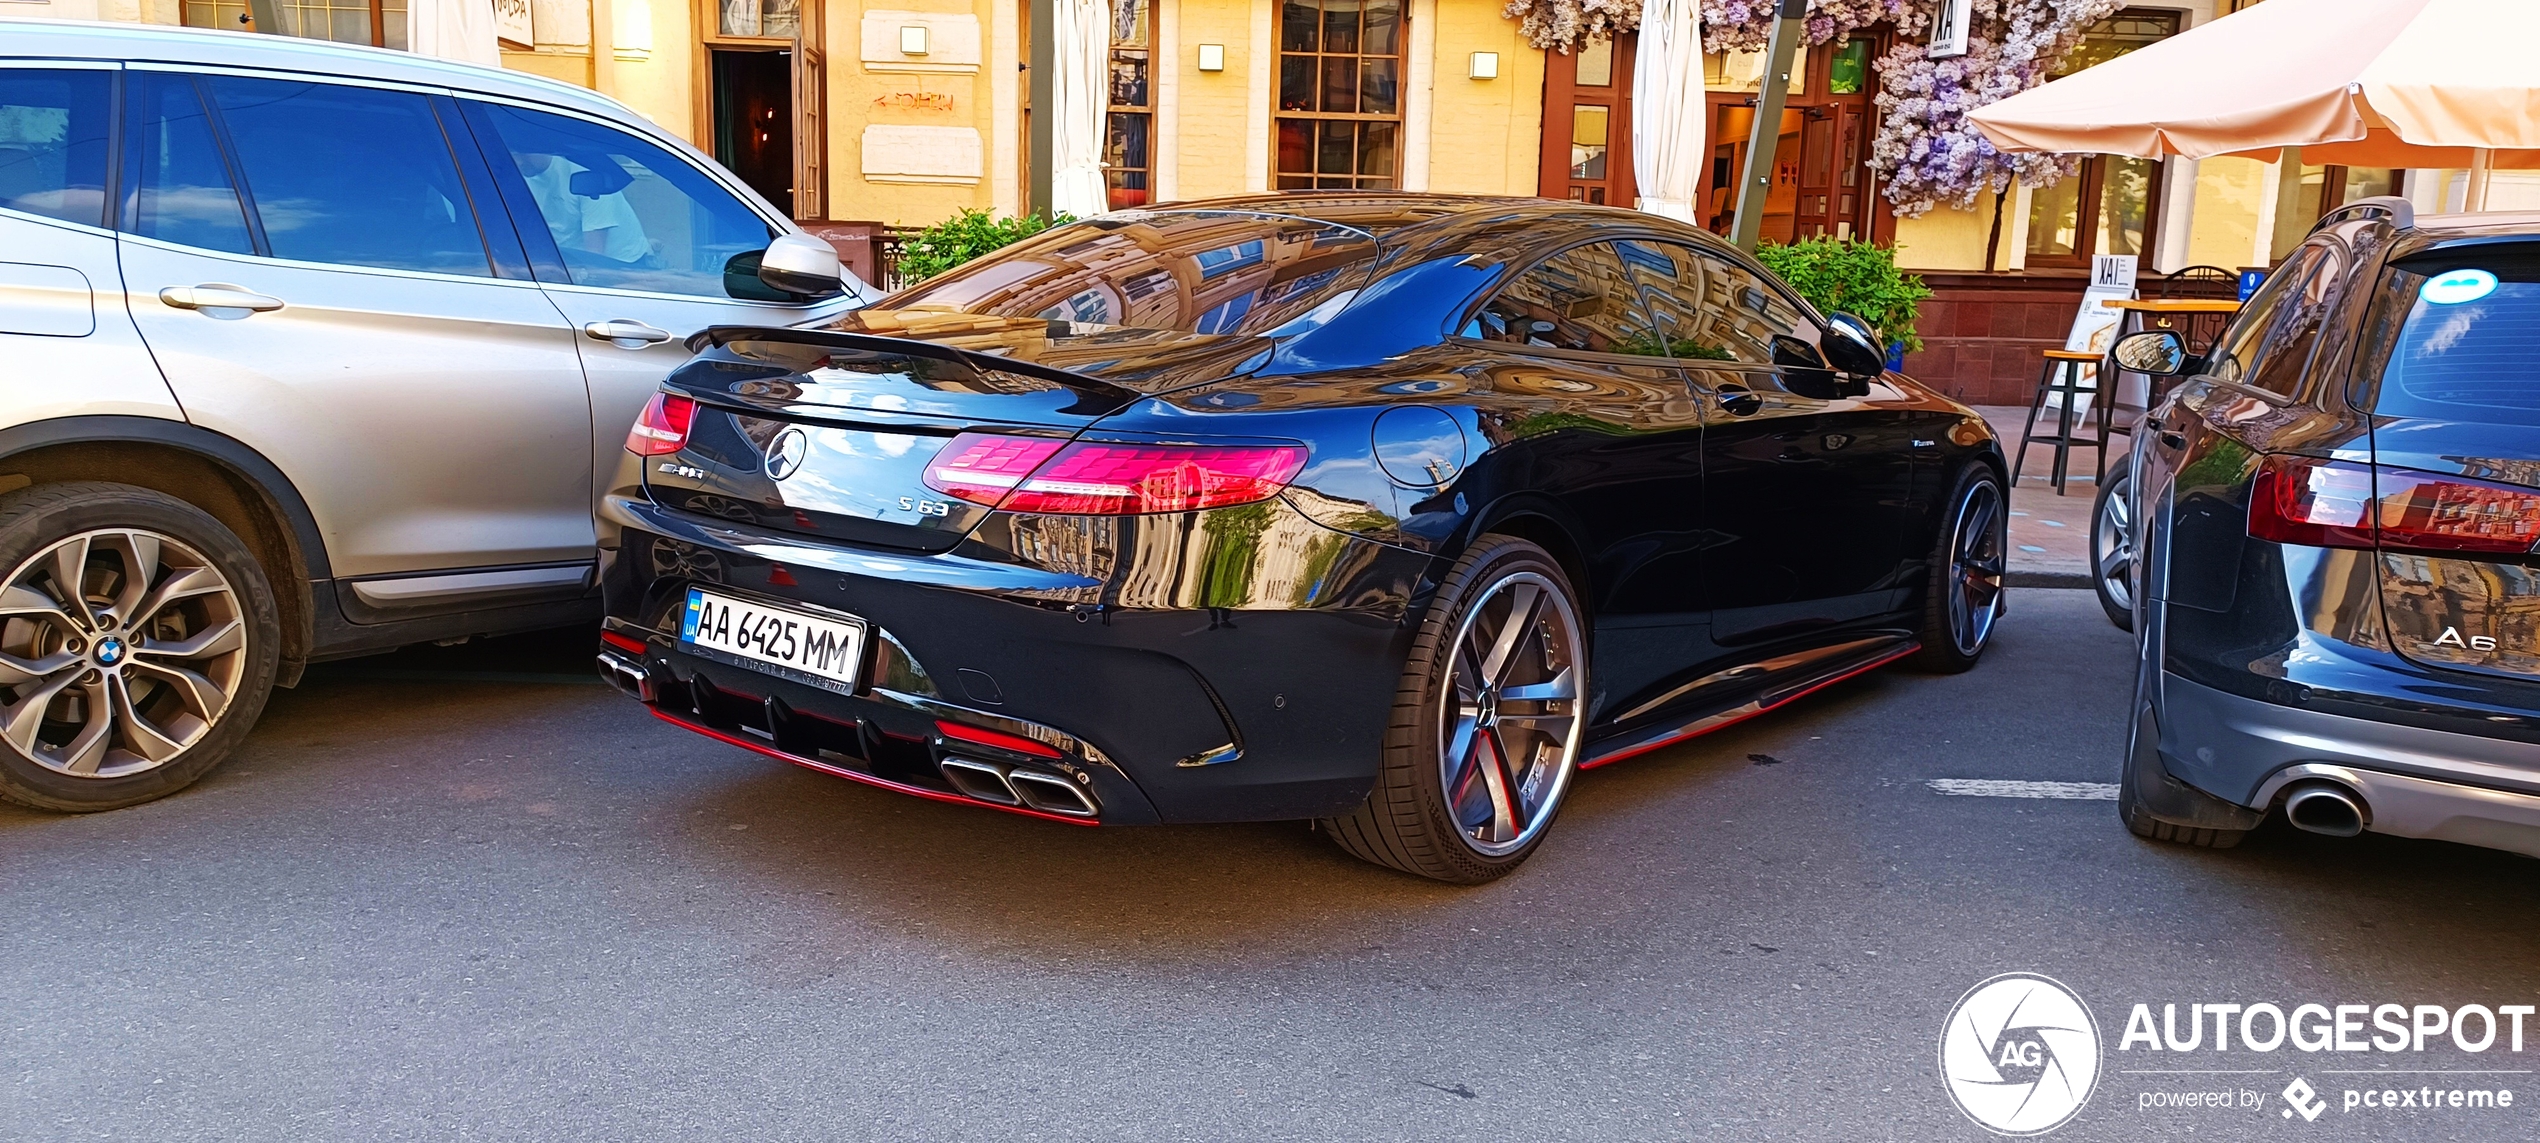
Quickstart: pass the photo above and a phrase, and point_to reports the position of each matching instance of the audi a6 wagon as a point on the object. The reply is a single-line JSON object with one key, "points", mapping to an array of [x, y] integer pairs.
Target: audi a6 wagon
{"points": [[316, 350], [1390, 512], [2334, 547]]}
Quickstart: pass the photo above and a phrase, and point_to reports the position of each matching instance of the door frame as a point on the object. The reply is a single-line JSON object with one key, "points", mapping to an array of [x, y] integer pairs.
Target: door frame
{"points": [[809, 93], [1560, 100]]}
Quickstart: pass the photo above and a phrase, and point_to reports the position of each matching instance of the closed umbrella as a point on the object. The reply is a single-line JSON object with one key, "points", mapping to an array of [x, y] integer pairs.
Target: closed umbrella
{"points": [[1667, 107], [453, 29], [1083, 47], [2376, 83]]}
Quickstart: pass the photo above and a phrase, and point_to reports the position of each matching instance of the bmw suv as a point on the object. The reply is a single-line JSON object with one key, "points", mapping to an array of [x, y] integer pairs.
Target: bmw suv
{"points": [[313, 351], [2338, 515]]}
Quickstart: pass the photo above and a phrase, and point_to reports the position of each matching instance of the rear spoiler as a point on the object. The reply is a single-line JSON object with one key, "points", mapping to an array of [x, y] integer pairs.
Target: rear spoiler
{"points": [[1098, 398]]}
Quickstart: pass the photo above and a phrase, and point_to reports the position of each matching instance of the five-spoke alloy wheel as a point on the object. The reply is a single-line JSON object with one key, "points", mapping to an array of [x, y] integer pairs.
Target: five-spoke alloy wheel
{"points": [[1969, 561], [1487, 721], [136, 640], [2112, 550]]}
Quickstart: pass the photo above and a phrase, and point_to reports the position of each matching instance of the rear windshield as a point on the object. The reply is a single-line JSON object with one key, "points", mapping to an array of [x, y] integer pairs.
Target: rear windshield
{"points": [[1191, 271], [2468, 348]]}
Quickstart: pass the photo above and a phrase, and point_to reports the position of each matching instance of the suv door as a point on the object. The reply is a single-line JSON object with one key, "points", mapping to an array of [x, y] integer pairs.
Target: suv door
{"points": [[634, 249], [306, 261], [60, 309], [1808, 482], [1624, 441]]}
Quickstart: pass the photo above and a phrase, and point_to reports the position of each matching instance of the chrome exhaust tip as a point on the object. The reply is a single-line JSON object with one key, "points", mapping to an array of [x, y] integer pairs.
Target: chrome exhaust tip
{"points": [[980, 780], [628, 676], [2320, 808], [1050, 793]]}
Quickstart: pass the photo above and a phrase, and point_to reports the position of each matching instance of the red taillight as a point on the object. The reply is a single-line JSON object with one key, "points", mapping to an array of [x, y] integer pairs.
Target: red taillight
{"points": [[663, 425], [983, 467], [2315, 503], [2337, 504], [1108, 478]]}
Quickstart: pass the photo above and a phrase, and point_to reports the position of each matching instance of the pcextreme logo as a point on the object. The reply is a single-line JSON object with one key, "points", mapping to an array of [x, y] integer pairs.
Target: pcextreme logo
{"points": [[2020, 1053]]}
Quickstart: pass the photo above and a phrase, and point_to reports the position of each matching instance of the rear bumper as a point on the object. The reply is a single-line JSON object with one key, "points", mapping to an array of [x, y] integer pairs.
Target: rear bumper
{"points": [[2417, 782], [1190, 714]]}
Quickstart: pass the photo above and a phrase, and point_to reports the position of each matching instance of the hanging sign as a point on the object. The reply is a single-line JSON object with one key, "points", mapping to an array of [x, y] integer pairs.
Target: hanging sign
{"points": [[1949, 20], [511, 24]]}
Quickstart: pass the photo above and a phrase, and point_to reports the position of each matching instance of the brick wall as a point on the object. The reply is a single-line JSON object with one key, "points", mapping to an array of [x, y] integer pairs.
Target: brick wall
{"points": [[1982, 333]]}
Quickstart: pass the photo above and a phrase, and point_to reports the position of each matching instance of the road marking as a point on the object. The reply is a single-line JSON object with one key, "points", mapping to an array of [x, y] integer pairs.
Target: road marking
{"points": [[2002, 788]]}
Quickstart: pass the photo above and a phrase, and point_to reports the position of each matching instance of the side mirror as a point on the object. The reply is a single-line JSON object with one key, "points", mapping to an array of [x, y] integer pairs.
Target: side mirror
{"points": [[2157, 352], [802, 266], [1853, 347]]}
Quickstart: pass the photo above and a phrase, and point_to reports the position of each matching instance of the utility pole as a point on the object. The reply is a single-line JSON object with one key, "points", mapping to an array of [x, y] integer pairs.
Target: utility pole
{"points": [[1760, 143], [1043, 74]]}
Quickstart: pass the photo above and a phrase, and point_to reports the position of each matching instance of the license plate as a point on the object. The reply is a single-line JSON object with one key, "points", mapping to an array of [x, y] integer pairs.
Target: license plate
{"points": [[823, 646]]}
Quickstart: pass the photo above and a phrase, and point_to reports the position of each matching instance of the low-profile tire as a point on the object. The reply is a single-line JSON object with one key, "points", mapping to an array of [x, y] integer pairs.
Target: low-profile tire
{"points": [[1962, 592], [1486, 728], [135, 682], [2112, 541]]}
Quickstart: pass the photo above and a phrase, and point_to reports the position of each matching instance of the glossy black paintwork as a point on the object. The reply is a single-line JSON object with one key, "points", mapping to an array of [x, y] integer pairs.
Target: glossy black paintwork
{"points": [[2342, 632], [1800, 516]]}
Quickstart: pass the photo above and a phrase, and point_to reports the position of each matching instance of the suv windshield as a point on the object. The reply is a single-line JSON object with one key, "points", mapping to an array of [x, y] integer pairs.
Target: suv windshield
{"points": [[2470, 332], [1192, 271]]}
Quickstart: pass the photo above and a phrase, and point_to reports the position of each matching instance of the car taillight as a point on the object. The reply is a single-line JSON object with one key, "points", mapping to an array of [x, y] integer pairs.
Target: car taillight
{"points": [[1109, 478], [2339, 504], [663, 425]]}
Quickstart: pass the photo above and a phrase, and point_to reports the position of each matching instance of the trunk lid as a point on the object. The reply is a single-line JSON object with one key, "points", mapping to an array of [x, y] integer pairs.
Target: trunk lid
{"points": [[828, 432], [2457, 400]]}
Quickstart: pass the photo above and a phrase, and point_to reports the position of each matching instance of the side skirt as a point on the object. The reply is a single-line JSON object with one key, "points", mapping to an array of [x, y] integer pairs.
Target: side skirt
{"points": [[1812, 672]]}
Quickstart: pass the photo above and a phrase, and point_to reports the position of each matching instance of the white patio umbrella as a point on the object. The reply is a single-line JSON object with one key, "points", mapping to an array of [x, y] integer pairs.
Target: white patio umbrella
{"points": [[1667, 107], [2373, 83], [454, 30], [1078, 91]]}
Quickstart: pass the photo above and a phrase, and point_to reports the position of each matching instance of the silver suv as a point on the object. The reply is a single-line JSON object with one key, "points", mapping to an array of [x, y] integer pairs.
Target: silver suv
{"points": [[308, 351]]}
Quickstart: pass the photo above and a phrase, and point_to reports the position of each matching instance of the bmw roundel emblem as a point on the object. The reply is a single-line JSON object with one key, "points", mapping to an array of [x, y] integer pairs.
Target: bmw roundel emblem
{"points": [[109, 652], [785, 455]]}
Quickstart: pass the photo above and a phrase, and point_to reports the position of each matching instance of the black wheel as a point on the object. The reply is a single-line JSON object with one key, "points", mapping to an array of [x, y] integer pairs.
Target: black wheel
{"points": [[1962, 596], [138, 640], [2112, 549], [1486, 722]]}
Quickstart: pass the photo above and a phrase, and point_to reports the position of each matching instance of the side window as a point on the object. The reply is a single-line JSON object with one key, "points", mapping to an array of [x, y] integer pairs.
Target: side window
{"points": [[1581, 298], [176, 188], [1712, 309], [625, 214], [2275, 316], [350, 175], [53, 143], [2299, 320]]}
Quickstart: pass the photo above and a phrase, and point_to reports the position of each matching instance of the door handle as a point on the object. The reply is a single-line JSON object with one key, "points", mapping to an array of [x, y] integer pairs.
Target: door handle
{"points": [[218, 296], [625, 333], [1739, 402], [2173, 440]]}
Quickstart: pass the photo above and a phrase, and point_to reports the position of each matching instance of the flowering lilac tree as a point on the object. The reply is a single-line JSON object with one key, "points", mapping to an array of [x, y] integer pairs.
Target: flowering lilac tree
{"points": [[1926, 152]]}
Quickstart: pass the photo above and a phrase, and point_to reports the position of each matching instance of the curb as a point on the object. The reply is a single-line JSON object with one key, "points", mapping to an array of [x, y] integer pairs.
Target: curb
{"points": [[2060, 579]]}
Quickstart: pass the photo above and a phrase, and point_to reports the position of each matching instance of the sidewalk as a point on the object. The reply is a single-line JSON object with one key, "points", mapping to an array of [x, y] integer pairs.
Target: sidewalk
{"points": [[2050, 534]]}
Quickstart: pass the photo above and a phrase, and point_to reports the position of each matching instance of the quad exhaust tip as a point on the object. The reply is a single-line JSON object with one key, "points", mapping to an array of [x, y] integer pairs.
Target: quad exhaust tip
{"points": [[2321, 808], [1007, 786]]}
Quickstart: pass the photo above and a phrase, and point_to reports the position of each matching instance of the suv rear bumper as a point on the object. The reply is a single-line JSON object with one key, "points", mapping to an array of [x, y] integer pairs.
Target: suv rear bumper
{"points": [[2416, 782]]}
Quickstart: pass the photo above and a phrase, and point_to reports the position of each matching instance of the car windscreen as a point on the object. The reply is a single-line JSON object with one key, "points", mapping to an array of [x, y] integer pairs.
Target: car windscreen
{"points": [[2468, 336], [1229, 272]]}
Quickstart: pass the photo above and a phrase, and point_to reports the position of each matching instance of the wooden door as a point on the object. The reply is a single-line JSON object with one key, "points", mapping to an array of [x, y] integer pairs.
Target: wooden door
{"points": [[1587, 123]]}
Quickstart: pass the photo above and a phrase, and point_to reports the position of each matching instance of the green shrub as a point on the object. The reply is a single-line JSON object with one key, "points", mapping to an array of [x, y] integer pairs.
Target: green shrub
{"points": [[1856, 277], [963, 237]]}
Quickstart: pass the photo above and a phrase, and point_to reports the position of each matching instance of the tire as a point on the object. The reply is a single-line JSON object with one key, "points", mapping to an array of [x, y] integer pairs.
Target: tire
{"points": [[1963, 591], [154, 677], [2142, 824], [1465, 815], [2112, 547]]}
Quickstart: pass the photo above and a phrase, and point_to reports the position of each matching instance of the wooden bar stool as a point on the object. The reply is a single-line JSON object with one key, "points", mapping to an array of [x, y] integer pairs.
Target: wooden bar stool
{"points": [[2062, 375]]}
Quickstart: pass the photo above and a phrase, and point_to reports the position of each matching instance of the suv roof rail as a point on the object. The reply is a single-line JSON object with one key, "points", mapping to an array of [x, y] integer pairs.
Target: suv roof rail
{"points": [[2401, 213]]}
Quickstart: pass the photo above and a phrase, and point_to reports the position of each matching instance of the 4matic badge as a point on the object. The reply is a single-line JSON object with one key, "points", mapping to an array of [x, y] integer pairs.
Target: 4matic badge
{"points": [[2020, 1053]]}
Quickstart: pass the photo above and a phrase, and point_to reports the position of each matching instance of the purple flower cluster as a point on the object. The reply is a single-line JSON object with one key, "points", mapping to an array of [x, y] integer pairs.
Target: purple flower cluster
{"points": [[1563, 25], [1926, 152]]}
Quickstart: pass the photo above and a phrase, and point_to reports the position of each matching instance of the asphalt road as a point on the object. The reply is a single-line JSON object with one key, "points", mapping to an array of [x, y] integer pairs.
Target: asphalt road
{"points": [[464, 894]]}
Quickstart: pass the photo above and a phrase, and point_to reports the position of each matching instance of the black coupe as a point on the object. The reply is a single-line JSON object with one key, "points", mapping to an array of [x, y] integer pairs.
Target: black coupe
{"points": [[1390, 511]]}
